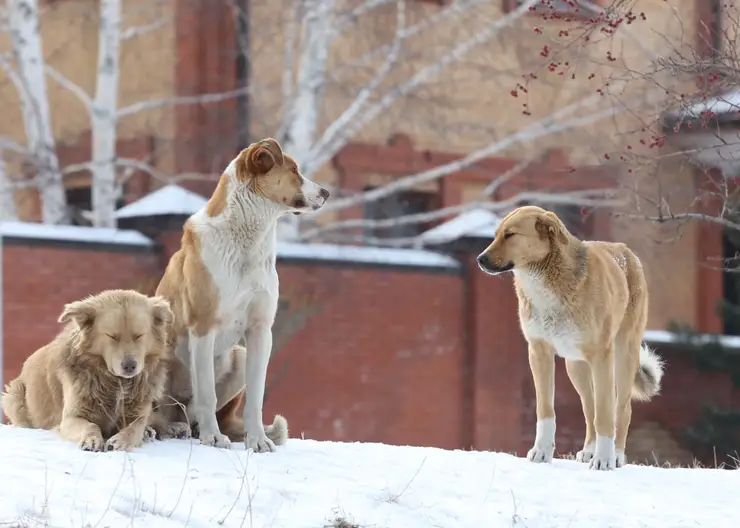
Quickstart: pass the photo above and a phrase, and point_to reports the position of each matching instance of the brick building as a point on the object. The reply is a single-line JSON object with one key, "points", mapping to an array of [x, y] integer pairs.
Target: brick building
{"points": [[347, 365]]}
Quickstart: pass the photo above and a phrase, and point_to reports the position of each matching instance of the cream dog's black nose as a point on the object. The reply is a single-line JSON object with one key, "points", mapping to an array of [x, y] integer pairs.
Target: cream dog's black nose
{"points": [[128, 365]]}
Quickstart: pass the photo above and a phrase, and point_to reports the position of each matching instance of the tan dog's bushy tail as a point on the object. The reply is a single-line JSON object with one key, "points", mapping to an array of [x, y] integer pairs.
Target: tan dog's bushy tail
{"points": [[278, 431], [649, 374], [14, 403]]}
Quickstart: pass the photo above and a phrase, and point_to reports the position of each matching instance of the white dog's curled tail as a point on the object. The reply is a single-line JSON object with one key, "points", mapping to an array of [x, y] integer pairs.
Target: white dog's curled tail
{"points": [[649, 374], [278, 431]]}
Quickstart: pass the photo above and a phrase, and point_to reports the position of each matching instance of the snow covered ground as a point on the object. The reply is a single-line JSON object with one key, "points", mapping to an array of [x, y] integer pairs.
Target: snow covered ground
{"points": [[48, 482]]}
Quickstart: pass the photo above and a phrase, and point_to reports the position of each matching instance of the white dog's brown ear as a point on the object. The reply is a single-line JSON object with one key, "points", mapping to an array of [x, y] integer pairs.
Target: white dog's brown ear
{"points": [[263, 156], [161, 313], [81, 312], [550, 226]]}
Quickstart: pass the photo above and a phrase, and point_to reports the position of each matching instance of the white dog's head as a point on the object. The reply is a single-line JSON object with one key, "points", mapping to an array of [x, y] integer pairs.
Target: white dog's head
{"points": [[273, 175]]}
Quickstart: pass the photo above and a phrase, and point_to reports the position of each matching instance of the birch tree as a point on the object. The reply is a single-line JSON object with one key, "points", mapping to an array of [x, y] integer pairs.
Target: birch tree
{"points": [[28, 75]]}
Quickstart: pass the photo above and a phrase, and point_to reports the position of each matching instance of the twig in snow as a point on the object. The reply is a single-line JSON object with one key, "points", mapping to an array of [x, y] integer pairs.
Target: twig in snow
{"points": [[394, 498]]}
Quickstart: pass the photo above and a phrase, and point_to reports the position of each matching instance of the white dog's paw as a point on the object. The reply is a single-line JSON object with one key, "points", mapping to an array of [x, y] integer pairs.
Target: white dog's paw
{"points": [[585, 454], [119, 442], [92, 442], [621, 459], [149, 434], [259, 443], [179, 430], [605, 457], [215, 439]]}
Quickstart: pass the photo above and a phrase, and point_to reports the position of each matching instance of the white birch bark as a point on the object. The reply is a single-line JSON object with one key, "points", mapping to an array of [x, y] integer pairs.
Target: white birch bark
{"points": [[303, 111], [8, 210], [104, 115], [25, 36]]}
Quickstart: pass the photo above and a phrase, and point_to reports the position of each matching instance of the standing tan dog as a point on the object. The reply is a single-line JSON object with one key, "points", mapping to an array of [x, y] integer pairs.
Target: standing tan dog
{"points": [[97, 380], [587, 302], [223, 287]]}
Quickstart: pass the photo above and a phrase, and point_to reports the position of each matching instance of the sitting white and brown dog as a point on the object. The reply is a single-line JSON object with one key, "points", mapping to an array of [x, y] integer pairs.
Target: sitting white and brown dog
{"points": [[222, 285]]}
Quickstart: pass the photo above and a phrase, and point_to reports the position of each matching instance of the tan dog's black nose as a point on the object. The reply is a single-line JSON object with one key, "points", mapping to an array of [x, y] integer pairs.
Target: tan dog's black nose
{"points": [[487, 265], [484, 262], [128, 365]]}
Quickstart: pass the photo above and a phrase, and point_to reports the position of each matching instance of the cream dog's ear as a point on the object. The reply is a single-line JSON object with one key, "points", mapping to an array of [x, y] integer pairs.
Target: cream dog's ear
{"points": [[81, 312], [549, 225], [161, 313]]}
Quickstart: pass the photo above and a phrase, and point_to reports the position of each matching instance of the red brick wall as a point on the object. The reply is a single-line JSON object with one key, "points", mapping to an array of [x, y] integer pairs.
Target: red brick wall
{"points": [[39, 278], [381, 360]]}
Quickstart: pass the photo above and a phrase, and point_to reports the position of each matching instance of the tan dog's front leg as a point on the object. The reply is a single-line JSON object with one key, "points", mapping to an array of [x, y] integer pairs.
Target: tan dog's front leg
{"points": [[82, 432], [542, 364], [602, 374], [579, 373], [132, 435]]}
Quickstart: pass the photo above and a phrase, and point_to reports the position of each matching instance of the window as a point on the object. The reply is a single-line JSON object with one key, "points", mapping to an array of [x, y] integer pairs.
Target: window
{"points": [[579, 8], [399, 204], [79, 203]]}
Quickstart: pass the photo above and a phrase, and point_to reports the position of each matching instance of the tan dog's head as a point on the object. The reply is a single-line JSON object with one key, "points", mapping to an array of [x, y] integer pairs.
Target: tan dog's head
{"points": [[123, 327], [273, 175], [525, 236]]}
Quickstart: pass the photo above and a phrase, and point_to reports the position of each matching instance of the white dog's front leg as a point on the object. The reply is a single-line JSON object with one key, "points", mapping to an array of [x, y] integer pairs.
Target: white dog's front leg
{"points": [[259, 347], [203, 379]]}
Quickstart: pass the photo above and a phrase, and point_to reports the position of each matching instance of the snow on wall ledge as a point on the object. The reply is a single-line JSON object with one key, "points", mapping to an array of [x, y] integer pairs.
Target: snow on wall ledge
{"points": [[79, 234], [367, 255]]}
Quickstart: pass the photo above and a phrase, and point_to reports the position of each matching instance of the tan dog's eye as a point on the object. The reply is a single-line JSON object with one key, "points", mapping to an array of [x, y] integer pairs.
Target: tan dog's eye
{"points": [[113, 337], [508, 235], [137, 337]]}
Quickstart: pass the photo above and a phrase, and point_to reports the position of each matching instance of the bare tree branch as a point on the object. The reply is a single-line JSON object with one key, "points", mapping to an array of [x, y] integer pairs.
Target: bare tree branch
{"points": [[68, 85], [185, 100], [329, 145], [587, 198]]}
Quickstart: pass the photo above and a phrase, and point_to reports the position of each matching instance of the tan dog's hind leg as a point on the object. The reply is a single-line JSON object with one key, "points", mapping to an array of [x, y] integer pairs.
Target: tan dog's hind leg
{"points": [[85, 434], [602, 374], [579, 373], [625, 372], [542, 364]]}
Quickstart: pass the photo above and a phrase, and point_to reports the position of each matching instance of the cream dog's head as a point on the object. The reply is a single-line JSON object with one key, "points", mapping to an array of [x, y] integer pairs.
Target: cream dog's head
{"points": [[123, 327]]}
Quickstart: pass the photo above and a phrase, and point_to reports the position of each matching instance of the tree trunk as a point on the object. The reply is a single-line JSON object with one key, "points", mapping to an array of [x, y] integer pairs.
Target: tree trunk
{"points": [[8, 210], [104, 120], [308, 96], [25, 38]]}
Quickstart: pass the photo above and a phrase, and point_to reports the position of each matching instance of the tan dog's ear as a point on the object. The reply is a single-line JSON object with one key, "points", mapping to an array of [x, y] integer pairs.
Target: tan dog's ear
{"points": [[549, 225], [263, 156], [81, 312], [161, 313]]}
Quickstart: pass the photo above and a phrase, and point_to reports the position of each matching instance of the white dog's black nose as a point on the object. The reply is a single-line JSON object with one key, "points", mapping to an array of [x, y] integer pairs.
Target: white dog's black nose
{"points": [[128, 365], [324, 193]]}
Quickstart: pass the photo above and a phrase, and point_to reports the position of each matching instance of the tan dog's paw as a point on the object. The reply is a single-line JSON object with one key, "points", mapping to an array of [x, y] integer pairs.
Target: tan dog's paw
{"points": [[586, 454], [92, 442], [149, 434], [179, 430], [120, 442]]}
